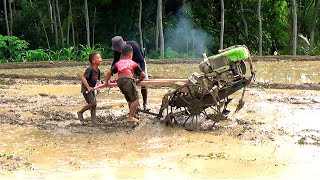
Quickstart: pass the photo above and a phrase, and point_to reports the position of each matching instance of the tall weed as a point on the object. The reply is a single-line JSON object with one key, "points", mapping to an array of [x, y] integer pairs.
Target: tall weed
{"points": [[85, 50], [70, 53]]}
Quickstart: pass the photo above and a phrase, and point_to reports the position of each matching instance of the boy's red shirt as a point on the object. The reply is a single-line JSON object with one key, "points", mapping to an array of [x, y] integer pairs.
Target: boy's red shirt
{"points": [[126, 68]]}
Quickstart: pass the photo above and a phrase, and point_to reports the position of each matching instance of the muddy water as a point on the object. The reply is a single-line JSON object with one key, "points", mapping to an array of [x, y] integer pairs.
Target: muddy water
{"points": [[288, 72], [292, 72], [151, 151], [275, 136], [268, 149]]}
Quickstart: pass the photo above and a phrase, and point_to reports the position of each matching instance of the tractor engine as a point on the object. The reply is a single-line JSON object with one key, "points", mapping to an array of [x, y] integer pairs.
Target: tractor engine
{"points": [[227, 66]]}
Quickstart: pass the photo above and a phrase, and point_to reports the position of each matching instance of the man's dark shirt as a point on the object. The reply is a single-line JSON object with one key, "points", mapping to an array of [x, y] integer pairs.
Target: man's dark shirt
{"points": [[137, 55]]}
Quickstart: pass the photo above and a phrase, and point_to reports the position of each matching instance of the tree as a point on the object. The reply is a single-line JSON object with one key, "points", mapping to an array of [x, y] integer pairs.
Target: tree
{"points": [[276, 23], [59, 22], [50, 15], [32, 20], [94, 25], [70, 21], [260, 27], [157, 31], [6, 16], [294, 24], [55, 26], [87, 22], [41, 22], [11, 18], [222, 24], [140, 29], [160, 29], [314, 24], [244, 20]]}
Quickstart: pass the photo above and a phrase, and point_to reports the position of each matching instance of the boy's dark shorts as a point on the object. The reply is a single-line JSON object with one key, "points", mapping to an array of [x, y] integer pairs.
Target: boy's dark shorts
{"points": [[89, 97], [128, 88]]}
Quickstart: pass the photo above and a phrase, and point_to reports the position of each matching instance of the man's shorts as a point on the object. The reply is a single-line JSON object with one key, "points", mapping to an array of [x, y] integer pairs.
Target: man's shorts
{"points": [[128, 88], [144, 70]]}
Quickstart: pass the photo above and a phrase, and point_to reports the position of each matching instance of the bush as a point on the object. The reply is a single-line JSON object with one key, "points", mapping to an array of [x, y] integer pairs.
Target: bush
{"points": [[11, 46], [37, 55]]}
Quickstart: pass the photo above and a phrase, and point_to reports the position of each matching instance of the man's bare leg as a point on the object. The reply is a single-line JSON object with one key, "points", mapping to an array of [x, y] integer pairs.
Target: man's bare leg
{"points": [[144, 93]]}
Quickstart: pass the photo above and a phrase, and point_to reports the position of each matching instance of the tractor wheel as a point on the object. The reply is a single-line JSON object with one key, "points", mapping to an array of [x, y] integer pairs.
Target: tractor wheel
{"points": [[192, 104]]}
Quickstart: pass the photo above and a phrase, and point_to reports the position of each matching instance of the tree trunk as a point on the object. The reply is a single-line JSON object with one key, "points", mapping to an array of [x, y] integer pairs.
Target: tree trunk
{"points": [[45, 32], [55, 23], [94, 25], [193, 42], [50, 15], [161, 29], [73, 34], [295, 25], [87, 21], [222, 24], [72, 26], [140, 28], [69, 22], [157, 31], [260, 27], [244, 21], [59, 23], [11, 19], [76, 30], [314, 25], [6, 16]]}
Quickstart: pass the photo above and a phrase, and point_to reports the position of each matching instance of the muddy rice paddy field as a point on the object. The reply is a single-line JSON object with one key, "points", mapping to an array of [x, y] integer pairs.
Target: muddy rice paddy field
{"points": [[276, 135]]}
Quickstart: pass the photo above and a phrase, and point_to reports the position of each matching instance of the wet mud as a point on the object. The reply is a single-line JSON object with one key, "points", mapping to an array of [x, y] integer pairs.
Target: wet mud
{"points": [[275, 135]]}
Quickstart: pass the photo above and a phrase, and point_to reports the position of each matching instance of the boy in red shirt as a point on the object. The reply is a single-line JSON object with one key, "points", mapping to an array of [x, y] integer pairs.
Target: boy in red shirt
{"points": [[126, 68]]}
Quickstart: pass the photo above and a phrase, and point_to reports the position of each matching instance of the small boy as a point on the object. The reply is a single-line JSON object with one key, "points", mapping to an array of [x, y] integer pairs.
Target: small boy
{"points": [[126, 68], [89, 79]]}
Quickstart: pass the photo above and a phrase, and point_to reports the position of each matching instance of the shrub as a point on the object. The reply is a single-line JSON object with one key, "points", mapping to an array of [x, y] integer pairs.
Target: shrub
{"points": [[11, 46]]}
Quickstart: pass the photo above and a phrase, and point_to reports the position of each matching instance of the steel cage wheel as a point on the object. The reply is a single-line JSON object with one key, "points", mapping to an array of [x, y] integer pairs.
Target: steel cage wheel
{"points": [[192, 104]]}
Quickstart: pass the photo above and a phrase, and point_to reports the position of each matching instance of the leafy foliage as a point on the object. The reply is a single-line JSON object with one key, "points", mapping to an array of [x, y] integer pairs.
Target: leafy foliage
{"points": [[33, 21], [11, 46], [86, 50], [36, 55]]}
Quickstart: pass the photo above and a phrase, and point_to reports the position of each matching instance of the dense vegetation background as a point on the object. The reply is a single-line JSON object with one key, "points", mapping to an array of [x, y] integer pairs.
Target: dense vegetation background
{"points": [[190, 27]]}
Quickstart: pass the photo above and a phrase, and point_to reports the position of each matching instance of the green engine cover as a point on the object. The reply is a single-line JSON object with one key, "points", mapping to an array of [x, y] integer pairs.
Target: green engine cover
{"points": [[236, 53], [233, 53], [220, 62]]}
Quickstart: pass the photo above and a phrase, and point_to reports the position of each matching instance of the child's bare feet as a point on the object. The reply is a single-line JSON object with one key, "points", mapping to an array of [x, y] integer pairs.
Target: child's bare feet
{"points": [[133, 119], [94, 122], [80, 116]]}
